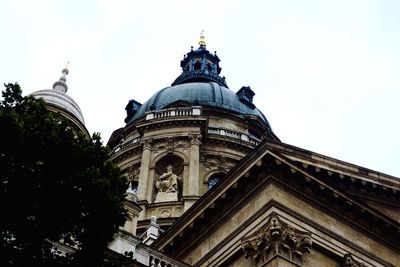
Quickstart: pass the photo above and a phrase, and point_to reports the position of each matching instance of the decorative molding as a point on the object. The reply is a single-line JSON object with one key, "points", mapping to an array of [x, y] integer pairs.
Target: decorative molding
{"points": [[147, 143], [222, 164], [277, 238], [133, 173], [169, 144], [195, 139], [165, 213]]}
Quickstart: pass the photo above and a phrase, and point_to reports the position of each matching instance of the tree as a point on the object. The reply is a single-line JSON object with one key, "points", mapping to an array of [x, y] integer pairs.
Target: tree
{"points": [[58, 187]]}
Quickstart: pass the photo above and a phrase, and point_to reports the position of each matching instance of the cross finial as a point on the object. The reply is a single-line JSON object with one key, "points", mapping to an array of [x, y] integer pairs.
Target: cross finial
{"points": [[202, 42]]}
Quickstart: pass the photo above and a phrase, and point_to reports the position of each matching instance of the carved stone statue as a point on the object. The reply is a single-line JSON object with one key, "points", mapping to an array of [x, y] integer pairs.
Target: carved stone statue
{"points": [[167, 186], [168, 181]]}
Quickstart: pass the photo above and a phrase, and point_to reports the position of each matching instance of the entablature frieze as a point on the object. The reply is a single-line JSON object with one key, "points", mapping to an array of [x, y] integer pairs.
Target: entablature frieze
{"points": [[167, 123], [229, 142]]}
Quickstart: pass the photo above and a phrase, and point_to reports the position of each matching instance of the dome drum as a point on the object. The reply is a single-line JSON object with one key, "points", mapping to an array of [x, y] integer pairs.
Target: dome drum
{"points": [[186, 133]]}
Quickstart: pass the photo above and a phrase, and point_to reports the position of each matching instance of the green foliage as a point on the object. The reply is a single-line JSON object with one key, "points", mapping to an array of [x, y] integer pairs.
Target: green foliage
{"points": [[56, 184]]}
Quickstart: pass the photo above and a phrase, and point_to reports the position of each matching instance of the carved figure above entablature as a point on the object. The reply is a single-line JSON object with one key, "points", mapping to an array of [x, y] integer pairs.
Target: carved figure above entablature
{"points": [[277, 238]]}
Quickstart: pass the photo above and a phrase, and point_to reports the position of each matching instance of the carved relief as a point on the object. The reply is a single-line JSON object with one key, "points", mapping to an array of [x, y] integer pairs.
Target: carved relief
{"points": [[219, 163], [195, 139], [165, 213], [348, 261], [181, 143], [169, 144], [147, 143], [133, 173], [277, 238]]}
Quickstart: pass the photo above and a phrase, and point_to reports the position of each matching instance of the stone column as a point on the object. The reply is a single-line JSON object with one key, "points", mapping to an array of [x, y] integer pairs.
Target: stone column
{"points": [[144, 171], [194, 168]]}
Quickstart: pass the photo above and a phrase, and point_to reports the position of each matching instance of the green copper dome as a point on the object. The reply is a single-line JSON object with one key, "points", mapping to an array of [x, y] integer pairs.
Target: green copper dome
{"points": [[197, 93], [199, 84]]}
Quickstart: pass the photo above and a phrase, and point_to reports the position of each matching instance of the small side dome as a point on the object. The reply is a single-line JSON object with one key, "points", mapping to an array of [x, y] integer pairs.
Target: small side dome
{"points": [[58, 100], [61, 101]]}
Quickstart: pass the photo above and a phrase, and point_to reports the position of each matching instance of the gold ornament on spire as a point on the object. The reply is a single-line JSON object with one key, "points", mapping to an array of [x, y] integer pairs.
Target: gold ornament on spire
{"points": [[66, 70], [202, 42]]}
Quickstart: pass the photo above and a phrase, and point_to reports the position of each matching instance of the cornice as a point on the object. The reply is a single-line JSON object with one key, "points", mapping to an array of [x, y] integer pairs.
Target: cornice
{"points": [[169, 122], [342, 168]]}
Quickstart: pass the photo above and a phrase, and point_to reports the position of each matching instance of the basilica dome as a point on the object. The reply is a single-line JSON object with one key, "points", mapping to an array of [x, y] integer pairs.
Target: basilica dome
{"points": [[209, 94], [200, 84], [195, 130]]}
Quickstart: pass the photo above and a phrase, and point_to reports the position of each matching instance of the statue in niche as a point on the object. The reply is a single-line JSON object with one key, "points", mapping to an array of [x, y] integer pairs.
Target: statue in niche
{"points": [[167, 186], [168, 181]]}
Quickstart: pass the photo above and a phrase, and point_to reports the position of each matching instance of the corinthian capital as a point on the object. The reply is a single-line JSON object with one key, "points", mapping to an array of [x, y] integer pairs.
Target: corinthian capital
{"points": [[147, 143], [195, 139]]}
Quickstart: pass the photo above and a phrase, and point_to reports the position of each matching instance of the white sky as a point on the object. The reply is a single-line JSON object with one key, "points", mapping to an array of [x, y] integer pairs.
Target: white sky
{"points": [[326, 73]]}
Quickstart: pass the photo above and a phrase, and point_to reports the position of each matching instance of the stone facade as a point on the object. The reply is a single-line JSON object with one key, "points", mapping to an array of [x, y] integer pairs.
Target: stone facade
{"points": [[196, 146], [271, 212], [227, 192], [210, 184]]}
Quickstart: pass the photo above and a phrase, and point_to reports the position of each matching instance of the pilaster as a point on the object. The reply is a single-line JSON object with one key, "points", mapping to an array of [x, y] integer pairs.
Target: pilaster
{"points": [[194, 169], [145, 185]]}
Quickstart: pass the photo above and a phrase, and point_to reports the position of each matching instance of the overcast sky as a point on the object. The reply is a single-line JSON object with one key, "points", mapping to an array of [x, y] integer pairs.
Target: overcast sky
{"points": [[326, 73]]}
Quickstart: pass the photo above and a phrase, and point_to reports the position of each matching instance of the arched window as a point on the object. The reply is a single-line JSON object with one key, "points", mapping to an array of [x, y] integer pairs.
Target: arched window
{"points": [[197, 66], [214, 179]]}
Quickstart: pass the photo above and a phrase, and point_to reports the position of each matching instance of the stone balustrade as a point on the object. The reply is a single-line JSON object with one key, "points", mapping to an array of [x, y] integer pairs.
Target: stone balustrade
{"points": [[129, 143], [173, 112], [233, 134]]}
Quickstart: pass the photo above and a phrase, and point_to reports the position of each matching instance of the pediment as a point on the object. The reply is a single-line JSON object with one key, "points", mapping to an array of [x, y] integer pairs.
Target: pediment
{"points": [[263, 167]]}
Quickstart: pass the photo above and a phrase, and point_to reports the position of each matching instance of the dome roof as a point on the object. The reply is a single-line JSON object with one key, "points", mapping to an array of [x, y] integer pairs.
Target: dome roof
{"points": [[60, 100], [198, 93]]}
